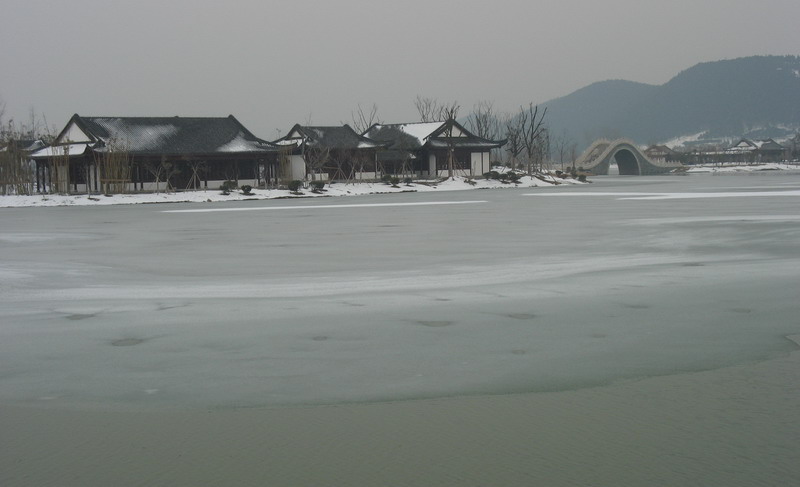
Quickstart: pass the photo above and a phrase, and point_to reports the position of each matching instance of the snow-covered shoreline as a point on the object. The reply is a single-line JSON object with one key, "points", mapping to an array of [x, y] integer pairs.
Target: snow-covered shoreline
{"points": [[346, 189], [742, 168], [215, 195]]}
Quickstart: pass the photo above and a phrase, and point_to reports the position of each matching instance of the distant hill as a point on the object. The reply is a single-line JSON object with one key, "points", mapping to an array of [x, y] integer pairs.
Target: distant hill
{"points": [[723, 100]]}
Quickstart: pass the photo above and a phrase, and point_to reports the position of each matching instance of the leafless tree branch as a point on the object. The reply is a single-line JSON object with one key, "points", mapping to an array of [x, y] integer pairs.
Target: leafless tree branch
{"points": [[362, 120]]}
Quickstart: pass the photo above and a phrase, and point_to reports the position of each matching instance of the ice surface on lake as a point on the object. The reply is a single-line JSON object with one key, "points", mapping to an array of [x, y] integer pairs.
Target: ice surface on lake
{"points": [[136, 307]]}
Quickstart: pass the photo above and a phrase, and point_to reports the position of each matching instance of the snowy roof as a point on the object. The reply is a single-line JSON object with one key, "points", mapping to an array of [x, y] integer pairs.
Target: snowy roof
{"points": [[329, 137], [60, 150], [660, 149], [170, 135], [25, 145], [747, 145], [404, 135], [411, 136]]}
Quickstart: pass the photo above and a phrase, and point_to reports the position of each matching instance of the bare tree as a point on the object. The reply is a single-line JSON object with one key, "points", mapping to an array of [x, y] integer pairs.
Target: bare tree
{"points": [[316, 159], [573, 154], [486, 123], [198, 170], [2, 115], [59, 170], [285, 162], [363, 120], [157, 170], [16, 170], [428, 108], [448, 113], [532, 131], [542, 160], [343, 164], [514, 143], [483, 121], [114, 162], [561, 147]]}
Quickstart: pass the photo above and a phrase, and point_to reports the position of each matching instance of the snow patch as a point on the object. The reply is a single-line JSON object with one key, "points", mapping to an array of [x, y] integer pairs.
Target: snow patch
{"points": [[61, 150], [420, 131], [737, 168], [139, 137], [204, 196], [239, 144], [326, 207], [684, 139]]}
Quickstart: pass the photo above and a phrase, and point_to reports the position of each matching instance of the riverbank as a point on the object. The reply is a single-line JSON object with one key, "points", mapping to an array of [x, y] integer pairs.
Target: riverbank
{"points": [[733, 168], [215, 195]]}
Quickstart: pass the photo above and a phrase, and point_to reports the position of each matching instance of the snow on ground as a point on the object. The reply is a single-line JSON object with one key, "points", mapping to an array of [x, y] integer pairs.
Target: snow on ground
{"points": [[734, 167], [213, 195], [340, 189]]}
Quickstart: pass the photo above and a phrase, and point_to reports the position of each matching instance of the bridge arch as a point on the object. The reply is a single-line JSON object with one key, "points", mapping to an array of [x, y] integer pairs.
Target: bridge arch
{"points": [[626, 162], [630, 160]]}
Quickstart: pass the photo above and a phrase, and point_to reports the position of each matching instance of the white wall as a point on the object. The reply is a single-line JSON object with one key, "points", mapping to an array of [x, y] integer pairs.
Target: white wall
{"points": [[73, 134], [480, 162], [456, 172], [297, 167]]}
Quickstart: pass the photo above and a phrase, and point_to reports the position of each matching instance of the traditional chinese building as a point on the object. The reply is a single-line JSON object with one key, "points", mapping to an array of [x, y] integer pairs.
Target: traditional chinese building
{"points": [[119, 154], [330, 152], [425, 149]]}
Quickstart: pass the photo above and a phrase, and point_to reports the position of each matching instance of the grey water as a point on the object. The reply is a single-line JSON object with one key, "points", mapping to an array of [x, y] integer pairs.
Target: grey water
{"points": [[520, 290]]}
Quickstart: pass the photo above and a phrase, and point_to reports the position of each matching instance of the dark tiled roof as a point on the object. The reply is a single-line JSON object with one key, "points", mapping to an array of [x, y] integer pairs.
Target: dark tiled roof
{"points": [[400, 135], [412, 136], [173, 135], [26, 145], [330, 137], [770, 145], [458, 142]]}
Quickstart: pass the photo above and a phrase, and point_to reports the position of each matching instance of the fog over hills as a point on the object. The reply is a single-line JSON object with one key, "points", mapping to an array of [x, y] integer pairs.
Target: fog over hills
{"points": [[724, 100]]}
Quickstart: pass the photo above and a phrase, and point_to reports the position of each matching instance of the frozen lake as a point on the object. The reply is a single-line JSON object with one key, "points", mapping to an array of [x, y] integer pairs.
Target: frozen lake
{"points": [[389, 297]]}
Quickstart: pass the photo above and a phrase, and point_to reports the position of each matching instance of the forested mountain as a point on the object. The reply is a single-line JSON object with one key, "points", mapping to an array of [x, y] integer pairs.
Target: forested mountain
{"points": [[754, 97]]}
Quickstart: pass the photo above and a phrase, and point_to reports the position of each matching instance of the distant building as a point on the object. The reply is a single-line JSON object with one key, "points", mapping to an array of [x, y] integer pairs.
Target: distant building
{"points": [[794, 147], [747, 150], [96, 154], [24, 145], [423, 149], [661, 153], [328, 153]]}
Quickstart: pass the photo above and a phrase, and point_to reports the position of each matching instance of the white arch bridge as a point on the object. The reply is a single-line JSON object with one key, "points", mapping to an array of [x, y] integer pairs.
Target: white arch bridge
{"points": [[630, 160]]}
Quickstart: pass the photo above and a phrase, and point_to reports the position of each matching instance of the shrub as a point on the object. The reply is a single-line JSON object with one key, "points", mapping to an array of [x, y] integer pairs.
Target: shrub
{"points": [[387, 178], [317, 186], [582, 178], [294, 186], [408, 181], [227, 186], [491, 175], [246, 189], [512, 176], [394, 180]]}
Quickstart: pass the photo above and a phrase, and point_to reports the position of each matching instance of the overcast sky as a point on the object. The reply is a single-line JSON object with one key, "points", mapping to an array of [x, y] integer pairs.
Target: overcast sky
{"points": [[276, 63]]}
